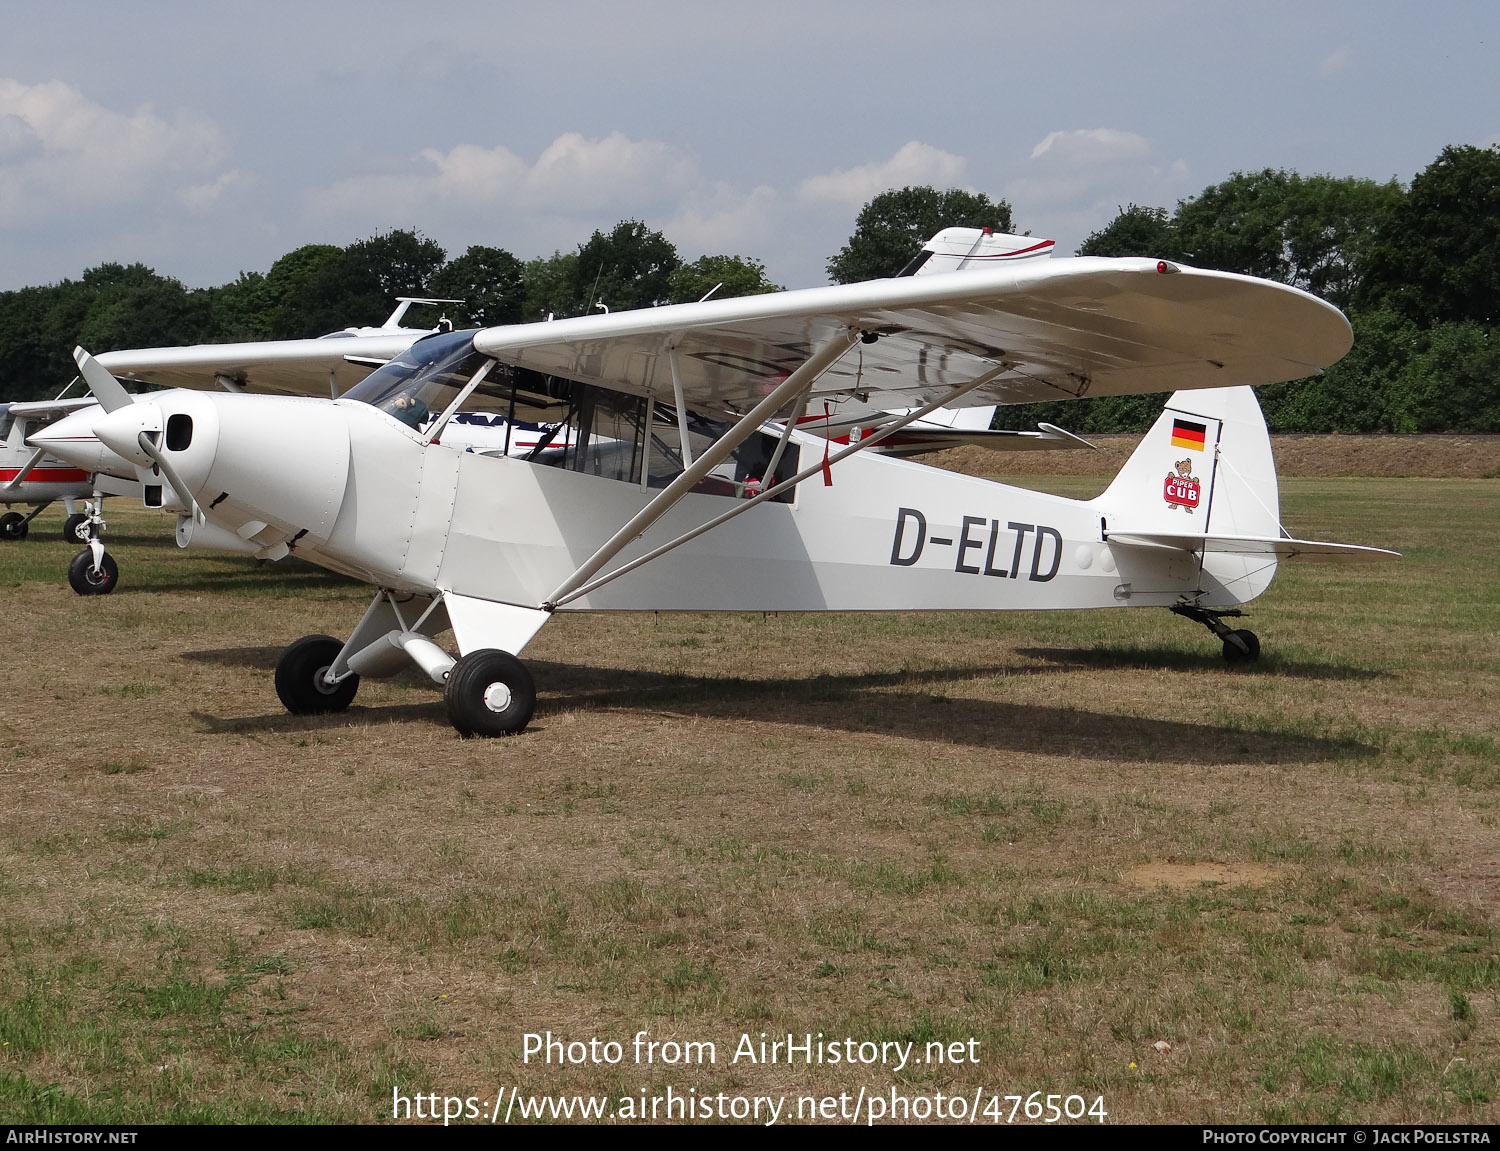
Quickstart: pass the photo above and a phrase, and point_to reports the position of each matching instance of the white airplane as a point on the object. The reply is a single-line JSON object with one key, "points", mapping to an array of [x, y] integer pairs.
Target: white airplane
{"points": [[676, 410], [294, 368]]}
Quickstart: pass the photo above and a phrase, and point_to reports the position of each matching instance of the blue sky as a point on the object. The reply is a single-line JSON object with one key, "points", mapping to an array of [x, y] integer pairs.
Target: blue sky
{"points": [[207, 139]]}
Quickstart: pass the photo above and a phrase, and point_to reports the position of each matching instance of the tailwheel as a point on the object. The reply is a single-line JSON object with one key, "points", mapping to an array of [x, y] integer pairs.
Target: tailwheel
{"points": [[299, 677], [76, 528], [14, 526], [86, 579], [489, 693], [1241, 647]]}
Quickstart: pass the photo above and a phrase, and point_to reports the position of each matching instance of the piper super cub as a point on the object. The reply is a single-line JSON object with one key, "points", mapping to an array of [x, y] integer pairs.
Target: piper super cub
{"points": [[685, 484]]}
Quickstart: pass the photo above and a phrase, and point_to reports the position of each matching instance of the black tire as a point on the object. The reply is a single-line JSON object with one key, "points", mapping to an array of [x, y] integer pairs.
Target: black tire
{"points": [[13, 526], [1232, 652], [85, 580], [71, 532], [489, 693], [299, 677]]}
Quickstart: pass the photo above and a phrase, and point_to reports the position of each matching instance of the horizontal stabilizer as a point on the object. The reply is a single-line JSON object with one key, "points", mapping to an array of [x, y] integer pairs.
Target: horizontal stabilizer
{"points": [[1278, 546]]}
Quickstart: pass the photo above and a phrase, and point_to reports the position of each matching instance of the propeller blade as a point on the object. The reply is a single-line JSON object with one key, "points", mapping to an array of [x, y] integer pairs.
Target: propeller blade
{"points": [[36, 458], [110, 393], [171, 476]]}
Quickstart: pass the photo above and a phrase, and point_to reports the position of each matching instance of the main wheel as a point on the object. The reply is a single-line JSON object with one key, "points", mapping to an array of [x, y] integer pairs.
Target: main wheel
{"points": [[1232, 652], [299, 677], [489, 692], [13, 526], [75, 528], [86, 579]]}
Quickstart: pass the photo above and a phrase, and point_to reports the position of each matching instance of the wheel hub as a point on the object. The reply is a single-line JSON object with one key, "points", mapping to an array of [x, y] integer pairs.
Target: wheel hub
{"points": [[497, 697]]}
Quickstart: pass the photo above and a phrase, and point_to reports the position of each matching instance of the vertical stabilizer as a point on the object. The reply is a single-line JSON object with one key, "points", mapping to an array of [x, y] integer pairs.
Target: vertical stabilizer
{"points": [[1204, 468]]}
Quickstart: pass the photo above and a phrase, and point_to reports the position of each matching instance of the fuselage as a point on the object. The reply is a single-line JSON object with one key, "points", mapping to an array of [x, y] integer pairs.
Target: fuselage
{"points": [[354, 489]]}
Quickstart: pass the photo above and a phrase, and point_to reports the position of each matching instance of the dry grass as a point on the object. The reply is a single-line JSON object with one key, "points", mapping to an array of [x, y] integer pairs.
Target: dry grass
{"points": [[918, 826]]}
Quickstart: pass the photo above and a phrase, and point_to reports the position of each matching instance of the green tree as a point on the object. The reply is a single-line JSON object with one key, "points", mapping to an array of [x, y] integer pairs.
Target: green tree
{"points": [[1136, 231], [1437, 255], [631, 267], [549, 283], [628, 267], [278, 305], [489, 281], [359, 287], [1311, 232], [734, 275], [892, 228]]}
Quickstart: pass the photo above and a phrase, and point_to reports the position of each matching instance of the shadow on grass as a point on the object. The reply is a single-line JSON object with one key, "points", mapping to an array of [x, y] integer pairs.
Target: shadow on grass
{"points": [[898, 704], [263, 658], [1176, 659]]}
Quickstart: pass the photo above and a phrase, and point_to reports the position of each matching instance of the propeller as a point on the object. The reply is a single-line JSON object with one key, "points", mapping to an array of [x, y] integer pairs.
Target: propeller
{"points": [[110, 393], [115, 431]]}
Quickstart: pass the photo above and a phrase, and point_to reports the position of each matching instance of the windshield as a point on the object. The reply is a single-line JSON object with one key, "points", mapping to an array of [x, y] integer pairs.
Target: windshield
{"points": [[422, 381]]}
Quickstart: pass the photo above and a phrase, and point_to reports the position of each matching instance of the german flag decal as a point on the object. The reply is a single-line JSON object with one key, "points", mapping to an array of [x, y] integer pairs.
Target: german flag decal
{"points": [[1186, 434]]}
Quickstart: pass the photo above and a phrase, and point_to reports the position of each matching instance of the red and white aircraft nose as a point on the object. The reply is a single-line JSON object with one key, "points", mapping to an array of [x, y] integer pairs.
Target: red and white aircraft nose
{"points": [[72, 440]]}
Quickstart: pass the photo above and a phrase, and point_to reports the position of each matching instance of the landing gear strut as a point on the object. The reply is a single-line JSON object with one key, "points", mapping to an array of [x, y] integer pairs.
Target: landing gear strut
{"points": [[1240, 646], [488, 692], [93, 571]]}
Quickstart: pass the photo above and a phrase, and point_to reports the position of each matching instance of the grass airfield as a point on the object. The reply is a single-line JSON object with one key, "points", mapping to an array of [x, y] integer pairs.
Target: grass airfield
{"points": [[1075, 837]]}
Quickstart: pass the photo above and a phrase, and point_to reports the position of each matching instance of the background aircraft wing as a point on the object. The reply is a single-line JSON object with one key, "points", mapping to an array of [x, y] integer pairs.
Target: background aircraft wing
{"points": [[1061, 328], [33, 408], [283, 367], [916, 439]]}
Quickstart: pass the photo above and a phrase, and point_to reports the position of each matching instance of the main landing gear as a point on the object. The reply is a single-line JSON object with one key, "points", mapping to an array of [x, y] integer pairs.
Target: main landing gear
{"points": [[15, 526], [487, 692], [1240, 646]]}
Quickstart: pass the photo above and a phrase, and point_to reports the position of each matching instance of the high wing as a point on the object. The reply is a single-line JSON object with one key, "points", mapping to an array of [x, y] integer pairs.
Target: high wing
{"points": [[1038, 330], [282, 367]]}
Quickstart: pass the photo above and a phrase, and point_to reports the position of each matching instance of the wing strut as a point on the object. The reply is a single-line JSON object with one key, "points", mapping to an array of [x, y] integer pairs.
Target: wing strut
{"points": [[15, 483], [818, 363], [560, 598], [682, 428]]}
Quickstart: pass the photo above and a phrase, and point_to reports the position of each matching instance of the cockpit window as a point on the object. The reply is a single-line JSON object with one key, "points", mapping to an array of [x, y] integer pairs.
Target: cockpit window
{"points": [[420, 383]]}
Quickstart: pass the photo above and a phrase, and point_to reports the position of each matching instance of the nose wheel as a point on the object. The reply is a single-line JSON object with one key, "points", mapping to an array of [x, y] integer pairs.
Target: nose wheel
{"points": [[89, 578]]}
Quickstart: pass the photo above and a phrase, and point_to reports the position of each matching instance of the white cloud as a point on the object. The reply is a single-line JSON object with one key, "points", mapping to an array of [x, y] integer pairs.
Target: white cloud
{"points": [[573, 174], [725, 221], [60, 150], [1076, 180], [913, 163], [1092, 146], [1339, 60], [200, 196]]}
